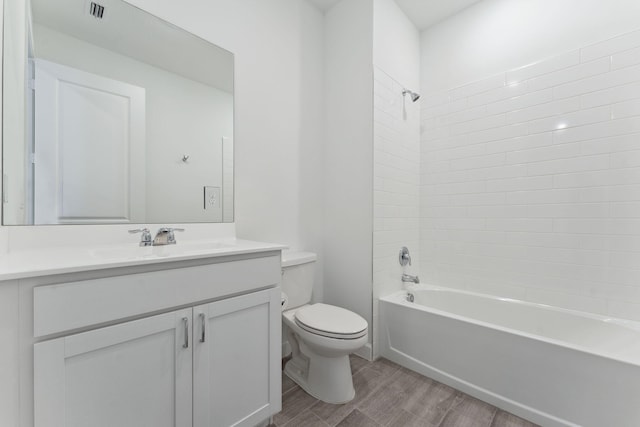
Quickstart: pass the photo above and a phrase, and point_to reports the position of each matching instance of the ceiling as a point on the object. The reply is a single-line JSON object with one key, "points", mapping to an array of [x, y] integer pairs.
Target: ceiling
{"points": [[324, 4], [423, 13]]}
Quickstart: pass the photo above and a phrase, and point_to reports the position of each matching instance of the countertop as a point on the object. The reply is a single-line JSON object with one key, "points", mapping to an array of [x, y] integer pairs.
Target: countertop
{"points": [[62, 260]]}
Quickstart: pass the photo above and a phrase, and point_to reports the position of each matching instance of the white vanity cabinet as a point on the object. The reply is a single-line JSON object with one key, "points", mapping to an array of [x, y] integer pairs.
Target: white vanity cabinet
{"points": [[212, 363], [134, 374], [231, 354]]}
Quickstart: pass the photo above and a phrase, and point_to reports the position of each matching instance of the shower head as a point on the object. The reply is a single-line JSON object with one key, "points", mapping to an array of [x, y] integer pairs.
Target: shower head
{"points": [[414, 96]]}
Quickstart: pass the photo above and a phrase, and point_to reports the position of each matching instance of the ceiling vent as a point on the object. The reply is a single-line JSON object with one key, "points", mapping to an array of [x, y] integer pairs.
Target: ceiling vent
{"points": [[96, 10]]}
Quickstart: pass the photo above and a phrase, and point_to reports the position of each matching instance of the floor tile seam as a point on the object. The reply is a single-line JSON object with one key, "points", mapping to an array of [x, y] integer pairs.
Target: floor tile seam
{"points": [[289, 423], [347, 416], [371, 392], [493, 417], [364, 411], [325, 421], [306, 408], [419, 418], [310, 406], [392, 377], [294, 388], [424, 416], [374, 421], [455, 395], [452, 406], [364, 365]]}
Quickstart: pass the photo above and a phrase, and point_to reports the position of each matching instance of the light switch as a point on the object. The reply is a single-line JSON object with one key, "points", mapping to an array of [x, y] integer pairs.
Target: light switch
{"points": [[212, 197]]}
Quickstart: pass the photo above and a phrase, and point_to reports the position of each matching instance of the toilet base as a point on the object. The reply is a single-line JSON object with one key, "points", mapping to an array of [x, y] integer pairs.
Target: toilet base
{"points": [[325, 378]]}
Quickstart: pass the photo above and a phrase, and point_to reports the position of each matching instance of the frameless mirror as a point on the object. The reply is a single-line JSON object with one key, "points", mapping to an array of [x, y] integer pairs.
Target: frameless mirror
{"points": [[112, 115]]}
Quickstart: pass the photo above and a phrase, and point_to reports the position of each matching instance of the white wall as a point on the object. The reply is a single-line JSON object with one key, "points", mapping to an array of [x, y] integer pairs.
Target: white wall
{"points": [[182, 117], [396, 157], [349, 156], [273, 42], [311, 139], [497, 35], [530, 176], [396, 44]]}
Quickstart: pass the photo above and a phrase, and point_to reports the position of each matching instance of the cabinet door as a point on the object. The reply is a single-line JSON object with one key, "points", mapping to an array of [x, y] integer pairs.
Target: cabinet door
{"points": [[136, 374], [237, 360]]}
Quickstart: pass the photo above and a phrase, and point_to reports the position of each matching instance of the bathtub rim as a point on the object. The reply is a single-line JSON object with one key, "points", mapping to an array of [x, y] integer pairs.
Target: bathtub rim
{"points": [[398, 298]]}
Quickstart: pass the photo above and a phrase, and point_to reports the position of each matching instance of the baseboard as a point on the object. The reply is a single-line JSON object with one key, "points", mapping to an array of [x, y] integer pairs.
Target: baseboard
{"points": [[523, 411], [365, 352]]}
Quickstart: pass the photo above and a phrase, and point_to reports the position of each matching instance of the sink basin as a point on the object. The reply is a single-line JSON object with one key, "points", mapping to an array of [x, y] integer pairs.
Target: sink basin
{"points": [[197, 246], [148, 252]]}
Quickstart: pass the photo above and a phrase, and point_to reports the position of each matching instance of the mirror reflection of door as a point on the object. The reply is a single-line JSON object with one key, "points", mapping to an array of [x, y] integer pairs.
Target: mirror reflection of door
{"points": [[89, 163], [88, 66]]}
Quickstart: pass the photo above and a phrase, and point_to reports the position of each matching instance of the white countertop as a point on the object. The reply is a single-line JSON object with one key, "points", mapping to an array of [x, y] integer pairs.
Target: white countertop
{"points": [[49, 261]]}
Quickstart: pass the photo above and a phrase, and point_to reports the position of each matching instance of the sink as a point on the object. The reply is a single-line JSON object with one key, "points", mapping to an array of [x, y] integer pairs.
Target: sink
{"points": [[126, 252], [202, 245], [150, 252]]}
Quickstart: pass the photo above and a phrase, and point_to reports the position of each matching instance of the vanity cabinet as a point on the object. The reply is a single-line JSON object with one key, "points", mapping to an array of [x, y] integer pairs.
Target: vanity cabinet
{"points": [[211, 364], [231, 355], [132, 374]]}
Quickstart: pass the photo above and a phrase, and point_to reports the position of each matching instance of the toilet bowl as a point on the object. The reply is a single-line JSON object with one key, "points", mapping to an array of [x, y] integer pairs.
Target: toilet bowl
{"points": [[321, 336]]}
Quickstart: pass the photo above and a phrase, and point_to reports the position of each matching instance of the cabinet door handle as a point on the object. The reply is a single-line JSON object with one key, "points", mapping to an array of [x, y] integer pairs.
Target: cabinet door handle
{"points": [[185, 323], [203, 323]]}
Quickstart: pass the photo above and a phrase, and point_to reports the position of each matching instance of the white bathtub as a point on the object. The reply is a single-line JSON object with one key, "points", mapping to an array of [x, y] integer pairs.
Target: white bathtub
{"points": [[552, 366]]}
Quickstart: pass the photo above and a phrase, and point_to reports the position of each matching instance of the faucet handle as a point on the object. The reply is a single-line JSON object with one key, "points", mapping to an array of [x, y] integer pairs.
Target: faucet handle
{"points": [[404, 258], [145, 239], [139, 230], [172, 237]]}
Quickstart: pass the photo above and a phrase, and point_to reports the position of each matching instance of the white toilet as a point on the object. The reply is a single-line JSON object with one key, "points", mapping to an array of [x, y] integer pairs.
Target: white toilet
{"points": [[321, 336]]}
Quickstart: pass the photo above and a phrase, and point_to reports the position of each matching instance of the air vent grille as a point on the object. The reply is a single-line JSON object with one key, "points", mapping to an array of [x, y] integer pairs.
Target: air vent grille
{"points": [[96, 10]]}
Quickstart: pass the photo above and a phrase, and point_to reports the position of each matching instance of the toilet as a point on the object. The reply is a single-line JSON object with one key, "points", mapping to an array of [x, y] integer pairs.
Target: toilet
{"points": [[321, 336]]}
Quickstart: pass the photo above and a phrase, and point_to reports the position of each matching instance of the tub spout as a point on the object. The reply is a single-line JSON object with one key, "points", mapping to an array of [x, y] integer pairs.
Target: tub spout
{"points": [[409, 278]]}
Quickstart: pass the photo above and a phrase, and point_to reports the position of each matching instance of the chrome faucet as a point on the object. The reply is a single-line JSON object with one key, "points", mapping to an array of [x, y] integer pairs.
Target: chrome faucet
{"points": [[145, 239], [410, 279], [404, 257], [166, 236]]}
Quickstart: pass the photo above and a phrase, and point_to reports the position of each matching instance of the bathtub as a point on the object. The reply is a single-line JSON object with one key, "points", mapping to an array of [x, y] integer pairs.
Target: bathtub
{"points": [[552, 366]]}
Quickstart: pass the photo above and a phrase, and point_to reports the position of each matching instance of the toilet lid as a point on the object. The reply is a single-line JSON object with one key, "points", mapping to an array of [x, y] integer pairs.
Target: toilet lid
{"points": [[331, 321]]}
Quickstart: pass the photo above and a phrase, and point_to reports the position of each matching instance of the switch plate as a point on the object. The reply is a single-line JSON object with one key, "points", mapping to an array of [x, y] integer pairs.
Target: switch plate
{"points": [[212, 197]]}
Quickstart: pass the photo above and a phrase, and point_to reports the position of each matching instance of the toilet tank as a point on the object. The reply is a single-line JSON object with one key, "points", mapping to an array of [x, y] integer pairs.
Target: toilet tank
{"points": [[297, 277]]}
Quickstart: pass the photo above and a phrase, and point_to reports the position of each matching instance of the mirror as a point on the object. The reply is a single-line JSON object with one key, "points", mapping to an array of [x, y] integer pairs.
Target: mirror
{"points": [[112, 115]]}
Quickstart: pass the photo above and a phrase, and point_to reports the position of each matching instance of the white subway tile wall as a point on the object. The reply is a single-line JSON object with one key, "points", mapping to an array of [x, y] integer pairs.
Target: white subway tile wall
{"points": [[530, 183], [396, 186]]}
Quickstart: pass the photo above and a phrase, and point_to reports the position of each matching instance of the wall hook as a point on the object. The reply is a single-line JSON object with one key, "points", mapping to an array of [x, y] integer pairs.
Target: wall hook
{"points": [[185, 158]]}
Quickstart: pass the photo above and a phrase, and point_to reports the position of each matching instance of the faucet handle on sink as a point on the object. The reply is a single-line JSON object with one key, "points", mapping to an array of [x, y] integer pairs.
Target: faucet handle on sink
{"points": [[145, 239]]}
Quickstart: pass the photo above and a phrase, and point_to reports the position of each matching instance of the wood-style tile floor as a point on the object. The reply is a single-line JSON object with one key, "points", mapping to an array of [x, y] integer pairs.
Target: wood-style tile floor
{"points": [[390, 395]]}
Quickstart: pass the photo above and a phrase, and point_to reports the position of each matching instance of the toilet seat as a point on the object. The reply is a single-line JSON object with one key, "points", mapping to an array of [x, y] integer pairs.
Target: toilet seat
{"points": [[331, 322]]}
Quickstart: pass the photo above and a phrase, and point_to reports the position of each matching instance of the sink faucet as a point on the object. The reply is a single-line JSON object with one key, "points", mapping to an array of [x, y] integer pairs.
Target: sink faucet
{"points": [[145, 239], [165, 236], [411, 279]]}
